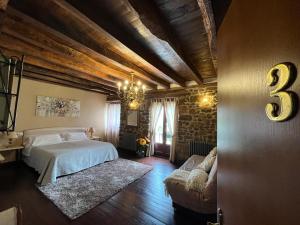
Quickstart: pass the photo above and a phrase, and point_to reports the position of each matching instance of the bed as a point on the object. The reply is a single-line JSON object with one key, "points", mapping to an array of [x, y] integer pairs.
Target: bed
{"points": [[55, 152]]}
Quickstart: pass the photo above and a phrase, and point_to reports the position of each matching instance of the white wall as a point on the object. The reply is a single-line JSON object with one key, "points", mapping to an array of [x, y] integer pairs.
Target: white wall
{"points": [[92, 107]]}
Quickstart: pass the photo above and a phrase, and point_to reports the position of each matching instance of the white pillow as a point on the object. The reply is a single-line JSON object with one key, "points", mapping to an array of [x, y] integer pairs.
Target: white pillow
{"points": [[75, 136], [47, 139], [196, 180], [207, 163], [27, 142], [213, 152]]}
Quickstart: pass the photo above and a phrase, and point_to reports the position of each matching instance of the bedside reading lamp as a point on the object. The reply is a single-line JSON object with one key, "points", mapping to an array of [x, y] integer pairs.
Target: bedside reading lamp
{"points": [[12, 136], [91, 131]]}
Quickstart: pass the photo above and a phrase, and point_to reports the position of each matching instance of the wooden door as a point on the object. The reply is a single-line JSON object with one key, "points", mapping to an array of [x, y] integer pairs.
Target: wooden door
{"points": [[259, 160]]}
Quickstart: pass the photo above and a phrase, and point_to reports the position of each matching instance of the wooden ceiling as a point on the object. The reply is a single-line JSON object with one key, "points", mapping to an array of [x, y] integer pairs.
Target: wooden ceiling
{"points": [[93, 44]]}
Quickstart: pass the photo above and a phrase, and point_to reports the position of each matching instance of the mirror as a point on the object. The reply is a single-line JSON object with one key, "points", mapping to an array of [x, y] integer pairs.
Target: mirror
{"points": [[132, 118]]}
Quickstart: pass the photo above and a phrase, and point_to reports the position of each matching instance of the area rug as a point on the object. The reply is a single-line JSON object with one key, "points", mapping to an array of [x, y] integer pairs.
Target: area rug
{"points": [[78, 193]]}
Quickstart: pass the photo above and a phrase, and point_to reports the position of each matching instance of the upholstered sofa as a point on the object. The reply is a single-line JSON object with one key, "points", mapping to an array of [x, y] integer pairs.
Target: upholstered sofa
{"points": [[202, 196]]}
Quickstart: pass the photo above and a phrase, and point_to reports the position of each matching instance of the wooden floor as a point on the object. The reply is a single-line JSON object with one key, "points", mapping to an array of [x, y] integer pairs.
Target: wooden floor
{"points": [[142, 202]]}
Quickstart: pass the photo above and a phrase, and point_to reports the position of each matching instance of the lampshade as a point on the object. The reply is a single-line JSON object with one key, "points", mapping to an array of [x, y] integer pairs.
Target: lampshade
{"points": [[92, 130], [12, 135]]}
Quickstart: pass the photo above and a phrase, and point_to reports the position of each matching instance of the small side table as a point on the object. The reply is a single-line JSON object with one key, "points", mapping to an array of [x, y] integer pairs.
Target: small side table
{"points": [[18, 149], [95, 138]]}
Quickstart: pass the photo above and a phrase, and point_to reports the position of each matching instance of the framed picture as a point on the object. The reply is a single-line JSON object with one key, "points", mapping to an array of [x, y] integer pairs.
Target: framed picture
{"points": [[57, 107], [132, 118]]}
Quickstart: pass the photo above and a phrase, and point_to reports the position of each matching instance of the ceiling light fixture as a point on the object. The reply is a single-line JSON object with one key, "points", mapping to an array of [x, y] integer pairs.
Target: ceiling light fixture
{"points": [[131, 93]]}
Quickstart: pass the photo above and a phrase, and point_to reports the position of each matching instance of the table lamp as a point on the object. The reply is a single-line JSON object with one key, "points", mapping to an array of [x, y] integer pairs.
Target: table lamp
{"points": [[91, 131], [11, 137]]}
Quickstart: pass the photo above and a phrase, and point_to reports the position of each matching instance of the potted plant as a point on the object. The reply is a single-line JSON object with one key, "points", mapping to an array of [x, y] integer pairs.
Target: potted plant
{"points": [[142, 146]]}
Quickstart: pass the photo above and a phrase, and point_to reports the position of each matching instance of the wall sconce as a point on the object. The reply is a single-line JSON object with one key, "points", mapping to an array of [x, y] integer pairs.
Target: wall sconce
{"points": [[205, 101]]}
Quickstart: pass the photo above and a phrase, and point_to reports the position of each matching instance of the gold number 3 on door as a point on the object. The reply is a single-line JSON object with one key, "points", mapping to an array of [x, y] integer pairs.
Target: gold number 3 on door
{"points": [[281, 76]]}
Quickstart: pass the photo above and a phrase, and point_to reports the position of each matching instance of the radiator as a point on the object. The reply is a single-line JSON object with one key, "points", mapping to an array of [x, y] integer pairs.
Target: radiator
{"points": [[198, 148]]}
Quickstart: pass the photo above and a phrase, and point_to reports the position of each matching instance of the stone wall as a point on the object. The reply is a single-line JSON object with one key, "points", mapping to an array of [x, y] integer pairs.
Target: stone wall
{"points": [[143, 124], [195, 123]]}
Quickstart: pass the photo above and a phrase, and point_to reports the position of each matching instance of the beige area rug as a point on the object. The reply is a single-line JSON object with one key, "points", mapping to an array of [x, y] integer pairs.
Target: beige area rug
{"points": [[78, 193]]}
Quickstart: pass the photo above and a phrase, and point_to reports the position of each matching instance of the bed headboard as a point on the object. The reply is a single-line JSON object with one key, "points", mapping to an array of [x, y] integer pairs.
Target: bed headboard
{"points": [[53, 130]]}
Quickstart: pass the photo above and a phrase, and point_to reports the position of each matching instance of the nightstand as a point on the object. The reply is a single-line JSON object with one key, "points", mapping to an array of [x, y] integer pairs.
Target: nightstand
{"points": [[96, 138], [18, 149]]}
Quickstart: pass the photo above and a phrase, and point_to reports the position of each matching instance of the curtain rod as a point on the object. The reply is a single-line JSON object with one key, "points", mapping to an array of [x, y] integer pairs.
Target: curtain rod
{"points": [[164, 99], [114, 102]]}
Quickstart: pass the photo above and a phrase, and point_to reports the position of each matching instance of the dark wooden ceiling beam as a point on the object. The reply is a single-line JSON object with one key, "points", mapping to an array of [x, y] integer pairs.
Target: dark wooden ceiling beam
{"points": [[43, 63], [11, 42], [3, 6], [124, 43], [176, 92], [39, 34], [7, 41], [65, 55], [96, 38], [64, 81], [53, 80], [154, 20], [210, 27], [30, 46], [66, 77]]}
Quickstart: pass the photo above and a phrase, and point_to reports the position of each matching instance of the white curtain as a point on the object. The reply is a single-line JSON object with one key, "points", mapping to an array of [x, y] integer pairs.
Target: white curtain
{"points": [[171, 110], [155, 110], [112, 125]]}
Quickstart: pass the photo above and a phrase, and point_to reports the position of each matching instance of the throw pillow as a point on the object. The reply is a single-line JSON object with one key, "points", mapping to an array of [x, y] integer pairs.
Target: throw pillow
{"points": [[196, 180], [207, 163], [213, 152]]}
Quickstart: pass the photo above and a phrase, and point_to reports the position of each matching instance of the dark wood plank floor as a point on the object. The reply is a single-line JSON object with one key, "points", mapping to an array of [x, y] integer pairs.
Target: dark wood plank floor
{"points": [[142, 202]]}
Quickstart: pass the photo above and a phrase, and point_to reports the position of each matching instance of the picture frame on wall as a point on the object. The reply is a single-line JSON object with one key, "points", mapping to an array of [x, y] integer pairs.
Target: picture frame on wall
{"points": [[132, 118], [47, 106]]}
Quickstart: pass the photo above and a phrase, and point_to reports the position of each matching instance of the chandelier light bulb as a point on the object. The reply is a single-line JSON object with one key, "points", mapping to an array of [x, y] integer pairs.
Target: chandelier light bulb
{"points": [[144, 87], [126, 82], [125, 88], [136, 89], [139, 83], [119, 85]]}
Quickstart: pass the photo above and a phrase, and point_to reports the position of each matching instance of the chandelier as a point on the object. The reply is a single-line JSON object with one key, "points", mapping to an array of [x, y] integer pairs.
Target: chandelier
{"points": [[131, 93]]}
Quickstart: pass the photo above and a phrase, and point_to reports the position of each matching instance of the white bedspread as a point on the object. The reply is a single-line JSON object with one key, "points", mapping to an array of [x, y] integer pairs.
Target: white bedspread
{"points": [[52, 161]]}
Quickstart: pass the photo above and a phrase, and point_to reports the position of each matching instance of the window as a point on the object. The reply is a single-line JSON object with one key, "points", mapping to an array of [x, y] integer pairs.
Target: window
{"points": [[112, 125], [159, 130], [162, 132], [163, 126], [163, 137]]}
